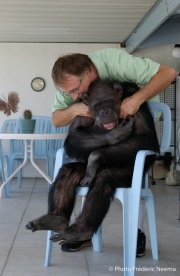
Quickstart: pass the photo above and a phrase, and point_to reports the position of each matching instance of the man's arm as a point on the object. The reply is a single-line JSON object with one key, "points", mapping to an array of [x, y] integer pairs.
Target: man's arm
{"points": [[63, 117], [157, 84]]}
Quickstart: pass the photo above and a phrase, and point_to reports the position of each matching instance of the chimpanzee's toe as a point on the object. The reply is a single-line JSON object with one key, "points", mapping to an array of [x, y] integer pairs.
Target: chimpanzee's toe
{"points": [[48, 222], [85, 181], [30, 226], [71, 234], [56, 238]]}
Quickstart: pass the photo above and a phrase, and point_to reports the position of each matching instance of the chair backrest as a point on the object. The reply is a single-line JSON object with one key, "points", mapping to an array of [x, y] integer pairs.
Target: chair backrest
{"points": [[9, 126], [56, 144], [156, 108]]}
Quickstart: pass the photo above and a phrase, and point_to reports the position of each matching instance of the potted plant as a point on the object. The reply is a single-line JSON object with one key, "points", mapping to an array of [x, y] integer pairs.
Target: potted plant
{"points": [[27, 124]]}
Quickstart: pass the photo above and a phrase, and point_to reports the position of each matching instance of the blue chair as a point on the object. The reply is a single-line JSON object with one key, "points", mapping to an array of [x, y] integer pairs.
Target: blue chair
{"points": [[8, 126], [130, 198], [4, 169]]}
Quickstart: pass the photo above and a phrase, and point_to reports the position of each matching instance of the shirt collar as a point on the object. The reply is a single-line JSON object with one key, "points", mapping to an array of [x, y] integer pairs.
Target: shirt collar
{"points": [[100, 66]]}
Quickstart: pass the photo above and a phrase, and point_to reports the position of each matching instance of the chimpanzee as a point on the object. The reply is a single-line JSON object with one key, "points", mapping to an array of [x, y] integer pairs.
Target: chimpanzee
{"points": [[105, 147]]}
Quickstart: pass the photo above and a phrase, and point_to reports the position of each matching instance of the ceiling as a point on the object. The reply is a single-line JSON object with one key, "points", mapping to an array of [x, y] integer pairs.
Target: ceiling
{"points": [[133, 23]]}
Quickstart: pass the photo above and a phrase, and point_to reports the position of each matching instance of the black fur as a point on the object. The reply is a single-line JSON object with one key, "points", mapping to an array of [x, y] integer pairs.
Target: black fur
{"points": [[116, 147], [105, 147]]}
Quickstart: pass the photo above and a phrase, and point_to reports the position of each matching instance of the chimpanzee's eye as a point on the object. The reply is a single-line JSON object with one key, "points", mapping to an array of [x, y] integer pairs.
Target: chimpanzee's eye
{"points": [[104, 104], [109, 101], [97, 106]]}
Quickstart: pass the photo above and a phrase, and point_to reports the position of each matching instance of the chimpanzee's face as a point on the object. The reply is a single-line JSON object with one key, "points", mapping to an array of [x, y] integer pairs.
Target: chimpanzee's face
{"points": [[104, 101]]}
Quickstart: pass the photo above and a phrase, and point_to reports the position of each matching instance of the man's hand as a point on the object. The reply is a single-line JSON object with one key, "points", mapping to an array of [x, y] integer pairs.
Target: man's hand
{"points": [[82, 110], [128, 107], [157, 84], [63, 117]]}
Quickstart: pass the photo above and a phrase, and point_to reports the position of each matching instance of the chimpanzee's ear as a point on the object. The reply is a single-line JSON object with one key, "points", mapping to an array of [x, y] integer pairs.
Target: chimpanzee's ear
{"points": [[85, 98], [118, 88]]}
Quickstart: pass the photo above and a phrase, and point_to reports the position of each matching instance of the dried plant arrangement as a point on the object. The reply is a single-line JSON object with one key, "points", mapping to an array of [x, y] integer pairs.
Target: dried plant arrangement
{"points": [[11, 104]]}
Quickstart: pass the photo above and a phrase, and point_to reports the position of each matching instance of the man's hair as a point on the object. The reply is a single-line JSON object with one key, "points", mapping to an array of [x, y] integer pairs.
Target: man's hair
{"points": [[73, 64]]}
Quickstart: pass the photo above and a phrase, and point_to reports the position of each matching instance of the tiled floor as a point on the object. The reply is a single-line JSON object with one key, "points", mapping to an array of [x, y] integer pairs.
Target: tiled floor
{"points": [[22, 253]]}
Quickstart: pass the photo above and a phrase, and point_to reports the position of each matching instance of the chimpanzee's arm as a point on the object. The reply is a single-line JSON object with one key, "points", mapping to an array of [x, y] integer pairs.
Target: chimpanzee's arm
{"points": [[81, 141]]}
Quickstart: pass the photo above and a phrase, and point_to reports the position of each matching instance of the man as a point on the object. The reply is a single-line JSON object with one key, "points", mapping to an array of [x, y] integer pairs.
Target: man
{"points": [[72, 74]]}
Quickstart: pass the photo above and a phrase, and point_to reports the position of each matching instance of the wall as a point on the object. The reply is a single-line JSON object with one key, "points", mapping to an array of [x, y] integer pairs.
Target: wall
{"points": [[161, 54]]}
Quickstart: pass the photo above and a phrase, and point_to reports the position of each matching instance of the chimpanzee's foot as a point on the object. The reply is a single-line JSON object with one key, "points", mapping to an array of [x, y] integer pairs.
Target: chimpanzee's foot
{"points": [[72, 234], [48, 222]]}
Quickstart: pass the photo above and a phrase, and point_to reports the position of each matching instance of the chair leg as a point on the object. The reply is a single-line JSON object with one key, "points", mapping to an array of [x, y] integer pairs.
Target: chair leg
{"points": [[19, 174], [97, 240], [50, 167], [49, 246], [130, 231], [5, 174], [10, 171], [147, 194]]}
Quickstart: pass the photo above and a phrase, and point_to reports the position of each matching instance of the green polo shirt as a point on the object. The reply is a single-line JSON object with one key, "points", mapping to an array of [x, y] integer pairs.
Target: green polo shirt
{"points": [[115, 64]]}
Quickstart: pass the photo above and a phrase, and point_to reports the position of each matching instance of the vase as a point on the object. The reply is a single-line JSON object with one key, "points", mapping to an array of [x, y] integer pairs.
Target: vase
{"points": [[28, 125]]}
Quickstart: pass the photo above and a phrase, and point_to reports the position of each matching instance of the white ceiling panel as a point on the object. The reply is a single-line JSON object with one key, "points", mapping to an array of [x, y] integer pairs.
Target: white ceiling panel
{"points": [[130, 22], [70, 21]]}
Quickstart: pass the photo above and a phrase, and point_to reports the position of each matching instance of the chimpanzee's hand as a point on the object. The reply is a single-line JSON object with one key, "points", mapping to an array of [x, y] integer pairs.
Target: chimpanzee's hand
{"points": [[122, 131], [81, 121], [129, 107], [129, 120]]}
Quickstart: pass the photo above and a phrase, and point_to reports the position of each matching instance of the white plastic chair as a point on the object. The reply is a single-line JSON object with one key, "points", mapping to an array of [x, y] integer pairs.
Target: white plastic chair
{"points": [[130, 198]]}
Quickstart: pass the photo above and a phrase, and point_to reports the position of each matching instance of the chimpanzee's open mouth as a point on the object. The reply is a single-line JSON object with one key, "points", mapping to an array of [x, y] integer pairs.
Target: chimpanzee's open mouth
{"points": [[110, 125]]}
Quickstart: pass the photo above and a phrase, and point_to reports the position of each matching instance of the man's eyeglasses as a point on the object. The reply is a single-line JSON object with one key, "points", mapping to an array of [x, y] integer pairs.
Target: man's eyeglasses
{"points": [[75, 90]]}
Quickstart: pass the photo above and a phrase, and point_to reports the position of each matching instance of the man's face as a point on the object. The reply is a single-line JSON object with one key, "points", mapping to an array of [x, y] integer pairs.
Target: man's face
{"points": [[76, 85]]}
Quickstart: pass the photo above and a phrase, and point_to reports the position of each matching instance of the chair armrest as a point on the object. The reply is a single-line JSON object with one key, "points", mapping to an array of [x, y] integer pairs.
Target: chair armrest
{"points": [[155, 108]]}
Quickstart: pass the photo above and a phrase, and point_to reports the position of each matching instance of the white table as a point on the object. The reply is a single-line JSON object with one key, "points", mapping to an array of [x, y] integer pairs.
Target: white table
{"points": [[28, 148]]}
